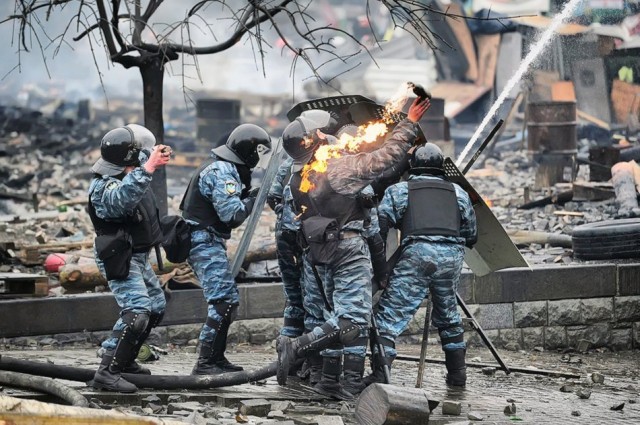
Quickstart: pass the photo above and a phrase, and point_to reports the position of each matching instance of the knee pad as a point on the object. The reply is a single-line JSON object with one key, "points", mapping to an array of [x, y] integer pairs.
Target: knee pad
{"points": [[135, 325], [349, 331], [227, 311]]}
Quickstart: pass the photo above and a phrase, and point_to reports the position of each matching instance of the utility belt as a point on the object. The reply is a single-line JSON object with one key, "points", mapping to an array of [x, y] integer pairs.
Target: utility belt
{"points": [[321, 238]]}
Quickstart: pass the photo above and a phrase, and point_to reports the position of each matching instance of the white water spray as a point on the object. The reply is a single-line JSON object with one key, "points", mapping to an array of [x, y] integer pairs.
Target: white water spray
{"points": [[526, 63]]}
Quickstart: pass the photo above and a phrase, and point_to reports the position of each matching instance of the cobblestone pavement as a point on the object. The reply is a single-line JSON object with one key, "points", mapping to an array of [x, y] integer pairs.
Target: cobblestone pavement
{"points": [[538, 398]]}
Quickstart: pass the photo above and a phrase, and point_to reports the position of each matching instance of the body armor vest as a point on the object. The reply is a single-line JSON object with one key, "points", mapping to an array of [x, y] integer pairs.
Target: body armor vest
{"points": [[197, 208], [322, 200], [143, 225], [432, 209]]}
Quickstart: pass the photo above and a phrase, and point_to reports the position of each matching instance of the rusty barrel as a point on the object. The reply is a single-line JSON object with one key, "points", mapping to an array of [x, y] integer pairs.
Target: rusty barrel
{"points": [[552, 140], [551, 126]]}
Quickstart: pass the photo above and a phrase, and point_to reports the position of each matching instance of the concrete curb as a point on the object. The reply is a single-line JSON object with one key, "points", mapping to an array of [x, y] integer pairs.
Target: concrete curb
{"points": [[97, 312]]}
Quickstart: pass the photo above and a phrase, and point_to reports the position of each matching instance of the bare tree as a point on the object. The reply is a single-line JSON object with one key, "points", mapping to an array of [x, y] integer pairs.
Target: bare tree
{"points": [[124, 29]]}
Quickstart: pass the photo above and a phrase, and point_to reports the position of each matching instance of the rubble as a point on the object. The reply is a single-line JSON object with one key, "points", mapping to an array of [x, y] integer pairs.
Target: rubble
{"points": [[453, 408]]}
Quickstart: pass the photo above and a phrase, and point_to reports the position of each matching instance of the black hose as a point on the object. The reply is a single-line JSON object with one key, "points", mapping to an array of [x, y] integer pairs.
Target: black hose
{"points": [[44, 385], [158, 382]]}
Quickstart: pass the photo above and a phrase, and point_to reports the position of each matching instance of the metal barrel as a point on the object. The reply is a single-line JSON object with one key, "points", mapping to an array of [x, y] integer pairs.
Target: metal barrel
{"points": [[551, 126], [552, 140]]}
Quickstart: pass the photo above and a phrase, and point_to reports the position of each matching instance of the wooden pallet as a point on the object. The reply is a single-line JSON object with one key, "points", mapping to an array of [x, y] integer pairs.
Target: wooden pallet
{"points": [[23, 284]]}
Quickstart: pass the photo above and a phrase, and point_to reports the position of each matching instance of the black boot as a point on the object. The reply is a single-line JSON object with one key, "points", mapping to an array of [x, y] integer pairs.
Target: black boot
{"points": [[456, 367], [329, 385], [315, 369], [108, 376], [219, 348], [377, 375], [353, 371], [291, 349], [206, 363]]}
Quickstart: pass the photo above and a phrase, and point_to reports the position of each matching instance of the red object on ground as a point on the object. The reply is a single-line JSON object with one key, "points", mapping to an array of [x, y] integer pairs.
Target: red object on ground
{"points": [[54, 262]]}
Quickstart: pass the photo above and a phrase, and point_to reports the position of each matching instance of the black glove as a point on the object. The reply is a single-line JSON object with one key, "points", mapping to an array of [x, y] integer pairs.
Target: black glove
{"points": [[273, 201], [378, 259], [248, 204]]}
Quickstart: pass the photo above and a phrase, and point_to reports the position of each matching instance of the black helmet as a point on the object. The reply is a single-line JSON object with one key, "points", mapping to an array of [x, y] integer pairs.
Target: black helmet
{"points": [[121, 148], [242, 145], [427, 159], [300, 138]]}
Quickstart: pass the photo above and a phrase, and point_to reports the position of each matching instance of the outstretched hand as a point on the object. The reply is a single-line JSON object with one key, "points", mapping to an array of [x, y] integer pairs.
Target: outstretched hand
{"points": [[160, 156], [417, 109]]}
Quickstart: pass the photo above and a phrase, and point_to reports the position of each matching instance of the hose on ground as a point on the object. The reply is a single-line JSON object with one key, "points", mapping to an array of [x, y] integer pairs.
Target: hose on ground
{"points": [[158, 382], [44, 385]]}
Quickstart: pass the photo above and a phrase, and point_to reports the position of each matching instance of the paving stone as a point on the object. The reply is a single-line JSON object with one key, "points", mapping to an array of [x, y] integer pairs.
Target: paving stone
{"points": [[255, 407], [597, 378], [283, 405], [151, 399], [528, 314], [510, 409], [452, 408], [181, 334], [329, 420], [566, 388], [189, 406], [564, 312], [575, 413], [195, 418], [532, 337], [276, 414], [555, 337], [495, 316], [583, 393], [489, 371], [583, 346], [475, 416], [627, 309]]}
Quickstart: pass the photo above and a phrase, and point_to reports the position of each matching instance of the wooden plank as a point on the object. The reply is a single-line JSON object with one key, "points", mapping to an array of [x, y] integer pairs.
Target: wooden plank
{"points": [[543, 22], [625, 99], [488, 47], [569, 213], [593, 120], [463, 35], [23, 284]]}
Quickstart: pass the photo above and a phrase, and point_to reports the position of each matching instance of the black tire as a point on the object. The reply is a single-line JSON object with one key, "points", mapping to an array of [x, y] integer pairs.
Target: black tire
{"points": [[607, 239]]}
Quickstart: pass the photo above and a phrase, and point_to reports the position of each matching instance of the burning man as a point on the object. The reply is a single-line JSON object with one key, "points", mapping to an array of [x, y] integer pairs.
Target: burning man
{"points": [[123, 211], [325, 200], [219, 198], [437, 221]]}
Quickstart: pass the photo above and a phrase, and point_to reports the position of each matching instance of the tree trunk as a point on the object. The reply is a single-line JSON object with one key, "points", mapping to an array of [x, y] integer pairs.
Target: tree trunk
{"points": [[152, 72]]}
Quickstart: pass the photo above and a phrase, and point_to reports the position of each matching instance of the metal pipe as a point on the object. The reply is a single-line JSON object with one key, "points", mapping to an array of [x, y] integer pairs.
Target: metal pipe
{"points": [[554, 373]]}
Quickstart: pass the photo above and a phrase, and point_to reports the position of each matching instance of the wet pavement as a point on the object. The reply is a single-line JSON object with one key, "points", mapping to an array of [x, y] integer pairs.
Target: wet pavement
{"points": [[537, 398]]}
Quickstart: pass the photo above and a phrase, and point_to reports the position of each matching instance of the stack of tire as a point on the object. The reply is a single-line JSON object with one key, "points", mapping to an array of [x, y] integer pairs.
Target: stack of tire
{"points": [[607, 239]]}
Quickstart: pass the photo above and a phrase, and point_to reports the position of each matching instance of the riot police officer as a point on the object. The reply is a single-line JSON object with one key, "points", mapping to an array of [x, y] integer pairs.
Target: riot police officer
{"points": [[437, 221], [340, 255], [123, 211], [288, 249], [219, 198]]}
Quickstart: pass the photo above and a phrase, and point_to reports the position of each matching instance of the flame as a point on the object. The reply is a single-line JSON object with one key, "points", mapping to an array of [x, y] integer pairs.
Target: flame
{"points": [[349, 144]]}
